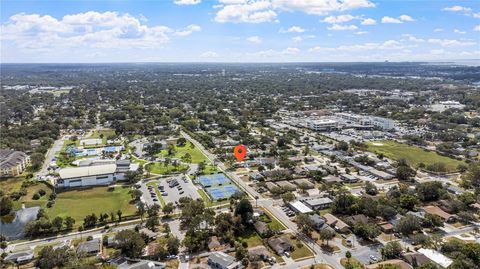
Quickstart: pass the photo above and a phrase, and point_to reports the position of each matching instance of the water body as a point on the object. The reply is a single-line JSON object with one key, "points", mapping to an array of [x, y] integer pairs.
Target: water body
{"points": [[15, 229]]}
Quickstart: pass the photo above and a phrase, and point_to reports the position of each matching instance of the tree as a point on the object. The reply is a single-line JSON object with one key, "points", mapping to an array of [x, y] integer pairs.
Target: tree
{"points": [[288, 197], [49, 258], [6, 205], [365, 230], [90, 221], [69, 222], [305, 224], [409, 224], [430, 191], [407, 201], [152, 223], [244, 209], [168, 208], [57, 223], [181, 142], [370, 188], [326, 235], [130, 243], [472, 176], [173, 244], [141, 210], [342, 145], [136, 194], [391, 250], [119, 214], [405, 173]]}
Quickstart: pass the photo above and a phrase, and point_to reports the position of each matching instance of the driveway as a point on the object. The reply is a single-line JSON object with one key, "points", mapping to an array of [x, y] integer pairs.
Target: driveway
{"points": [[363, 253]]}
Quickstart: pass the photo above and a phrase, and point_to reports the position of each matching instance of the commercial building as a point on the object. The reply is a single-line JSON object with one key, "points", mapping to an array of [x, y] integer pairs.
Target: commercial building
{"points": [[13, 163], [299, 207], [437, 257], [318, 203], [95, 175], [322, 125]]}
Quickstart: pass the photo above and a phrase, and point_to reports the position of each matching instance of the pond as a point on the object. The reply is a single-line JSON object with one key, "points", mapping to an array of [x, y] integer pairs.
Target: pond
{"points": [[14, 229]]}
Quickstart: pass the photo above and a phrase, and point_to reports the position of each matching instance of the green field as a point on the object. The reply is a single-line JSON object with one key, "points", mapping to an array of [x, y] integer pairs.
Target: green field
{"points": [[413, 155], [197, 155], [160, 168], [79, 203]]}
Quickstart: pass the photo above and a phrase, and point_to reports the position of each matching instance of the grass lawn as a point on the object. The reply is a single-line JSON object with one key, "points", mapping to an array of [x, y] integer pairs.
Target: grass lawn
{"points": [[79, 203], [197, 155], [300, 251], [11, 184], [272, 222], [106, 133], [413, 155], [251, 237], [356, 264], [135, 160], [210, 169], [160, 168], [159, 195], [28, 199]]}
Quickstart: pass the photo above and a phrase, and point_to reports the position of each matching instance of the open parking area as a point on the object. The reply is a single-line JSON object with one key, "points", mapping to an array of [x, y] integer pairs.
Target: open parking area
{"points": [[173, 188], [367, 254]]}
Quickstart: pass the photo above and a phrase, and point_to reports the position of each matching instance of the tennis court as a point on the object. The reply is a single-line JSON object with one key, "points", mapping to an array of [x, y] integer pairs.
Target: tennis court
{"points": [[213, 180], [218, 186]]}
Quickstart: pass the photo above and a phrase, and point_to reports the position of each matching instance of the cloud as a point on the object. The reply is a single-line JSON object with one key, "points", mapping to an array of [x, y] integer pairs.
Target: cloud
{"points": [[436, 30], [90, 29], [338, 19], [369, 21], [321, 7], [412, 38], [339, 27], [246, 12], [386, 45], [457, 9], [188, 30], [450, 42], [405, 18], [293, 29], [290, 51], [299, 39], [476, 28], [187, 2], [387, 19], [209, 54], [361, 33], [456, 31], [254, 39], [400, 19]]}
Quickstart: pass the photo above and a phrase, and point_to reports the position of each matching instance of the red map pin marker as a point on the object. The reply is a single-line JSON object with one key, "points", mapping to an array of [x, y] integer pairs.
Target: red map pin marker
{"points": [[240, 151]]}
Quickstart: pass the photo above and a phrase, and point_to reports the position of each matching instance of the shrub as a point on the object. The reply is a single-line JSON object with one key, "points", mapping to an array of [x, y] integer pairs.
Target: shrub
{"points": [[41, 192], [36, 196], [89, 238]]}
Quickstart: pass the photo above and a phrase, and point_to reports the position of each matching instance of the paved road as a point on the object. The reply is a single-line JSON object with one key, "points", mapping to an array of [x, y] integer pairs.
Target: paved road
{"points": [[56, 147], [332, 259]]}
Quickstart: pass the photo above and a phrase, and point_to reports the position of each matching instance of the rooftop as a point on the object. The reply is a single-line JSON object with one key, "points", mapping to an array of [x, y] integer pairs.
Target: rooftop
{"points": [[67, 173]]}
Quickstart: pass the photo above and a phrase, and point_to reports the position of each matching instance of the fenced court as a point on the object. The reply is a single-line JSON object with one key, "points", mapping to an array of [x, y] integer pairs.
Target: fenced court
{"points": [[218, 186]]}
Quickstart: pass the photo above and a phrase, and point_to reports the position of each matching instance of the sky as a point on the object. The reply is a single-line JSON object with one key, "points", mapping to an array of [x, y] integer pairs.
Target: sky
{"points": [[88, 31]]}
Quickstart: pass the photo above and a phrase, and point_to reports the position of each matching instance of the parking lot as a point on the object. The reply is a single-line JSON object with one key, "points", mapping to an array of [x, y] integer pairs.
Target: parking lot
{"points": [[367, 254], [288, 212], [172, 192]]}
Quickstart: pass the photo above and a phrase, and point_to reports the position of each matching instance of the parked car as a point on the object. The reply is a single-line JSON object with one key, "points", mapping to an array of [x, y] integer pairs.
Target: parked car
{"points": [[181, 192]]}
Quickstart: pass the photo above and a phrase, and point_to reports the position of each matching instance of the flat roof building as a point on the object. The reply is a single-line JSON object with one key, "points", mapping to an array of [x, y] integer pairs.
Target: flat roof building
{"points": [[299, 207]]}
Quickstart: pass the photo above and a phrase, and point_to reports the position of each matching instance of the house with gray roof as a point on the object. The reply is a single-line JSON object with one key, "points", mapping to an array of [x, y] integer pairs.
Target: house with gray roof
{"points": [[220, 260], [92, 247], [12, 163]]}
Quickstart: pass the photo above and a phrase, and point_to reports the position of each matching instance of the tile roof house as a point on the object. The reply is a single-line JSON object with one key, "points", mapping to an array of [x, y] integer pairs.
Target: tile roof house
{"points": [[280, 245], [91, 247], [435, 210], [397, 263], [336, 223], [13, 163], [262, 228], [416, 259], [259, 253]]}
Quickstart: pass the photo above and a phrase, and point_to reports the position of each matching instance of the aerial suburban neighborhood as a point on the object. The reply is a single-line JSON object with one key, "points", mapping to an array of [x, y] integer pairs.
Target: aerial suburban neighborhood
{"points": [[239, 134]]}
